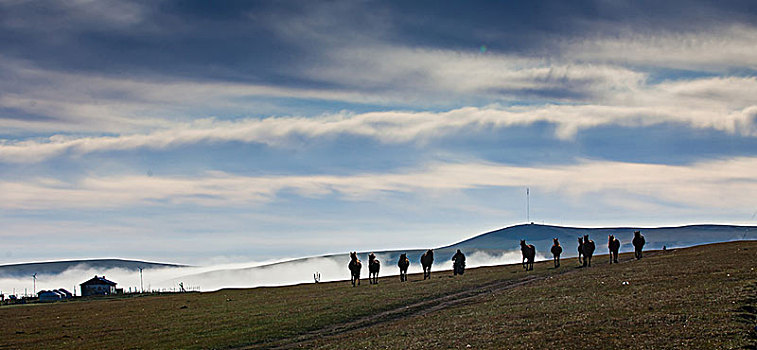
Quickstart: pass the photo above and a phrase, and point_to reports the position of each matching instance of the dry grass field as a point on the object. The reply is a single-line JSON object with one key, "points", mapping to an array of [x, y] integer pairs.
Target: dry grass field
{"points": [[699, 297]]}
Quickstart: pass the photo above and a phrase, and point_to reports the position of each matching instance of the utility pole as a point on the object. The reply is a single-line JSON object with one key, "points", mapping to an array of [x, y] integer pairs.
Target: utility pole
{"points": [[528, 205], [34, 276], [141, 283]]}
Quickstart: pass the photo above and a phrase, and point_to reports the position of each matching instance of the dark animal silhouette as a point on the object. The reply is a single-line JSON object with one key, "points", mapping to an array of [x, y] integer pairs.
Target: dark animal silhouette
{"points": [[427, 259], [403, 264], [355, 267], [556, 251], [588, 249], [373, 269], [458, 267], [613, 244], [529, 253], [638, 244], [580, 250]]}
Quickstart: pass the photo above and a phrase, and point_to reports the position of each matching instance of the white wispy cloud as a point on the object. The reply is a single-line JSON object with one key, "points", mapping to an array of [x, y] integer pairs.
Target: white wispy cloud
{"points": [[592, 73], [716, 184], [420, 73], [710, 49], [723, 104], [91, 103], [74, 16]]}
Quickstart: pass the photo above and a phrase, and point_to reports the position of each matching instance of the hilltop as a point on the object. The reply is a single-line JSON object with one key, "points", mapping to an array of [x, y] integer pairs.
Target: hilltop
{"points": [[657, 237]]}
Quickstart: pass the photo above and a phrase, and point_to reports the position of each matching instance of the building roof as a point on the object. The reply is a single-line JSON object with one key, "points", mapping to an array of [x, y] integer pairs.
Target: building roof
{"points": [[99, 280]]}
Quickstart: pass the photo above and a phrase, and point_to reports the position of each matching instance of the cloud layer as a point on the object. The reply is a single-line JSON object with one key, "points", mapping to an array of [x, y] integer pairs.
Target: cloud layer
{"points": [[720, 104], [719, 184], [186, 124]]}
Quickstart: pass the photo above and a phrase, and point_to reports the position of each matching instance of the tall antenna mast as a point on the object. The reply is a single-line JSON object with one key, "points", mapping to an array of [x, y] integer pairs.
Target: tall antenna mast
{"points": [[528, 205], [34, 276], [141, 283]]}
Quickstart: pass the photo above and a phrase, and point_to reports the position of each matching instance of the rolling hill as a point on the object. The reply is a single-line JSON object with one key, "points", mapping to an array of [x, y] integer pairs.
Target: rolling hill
{"points": [[58, 267], [656, 237], [491, 248]]}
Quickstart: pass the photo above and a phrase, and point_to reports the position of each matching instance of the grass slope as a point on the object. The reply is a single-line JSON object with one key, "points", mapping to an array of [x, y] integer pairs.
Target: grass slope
{"points": [[701, 297]]}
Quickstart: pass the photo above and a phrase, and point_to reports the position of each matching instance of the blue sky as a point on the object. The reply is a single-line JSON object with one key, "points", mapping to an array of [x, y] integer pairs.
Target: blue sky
{"points": [[205, 132]]}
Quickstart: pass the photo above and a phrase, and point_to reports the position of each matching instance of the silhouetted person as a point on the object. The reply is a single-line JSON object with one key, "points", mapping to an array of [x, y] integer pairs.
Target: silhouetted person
{"points": [[580, 250], [458, 266]]}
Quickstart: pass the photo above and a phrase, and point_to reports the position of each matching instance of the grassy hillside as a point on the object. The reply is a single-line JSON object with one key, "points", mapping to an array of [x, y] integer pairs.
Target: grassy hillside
{"points": [[698, 298], [701, 297]]}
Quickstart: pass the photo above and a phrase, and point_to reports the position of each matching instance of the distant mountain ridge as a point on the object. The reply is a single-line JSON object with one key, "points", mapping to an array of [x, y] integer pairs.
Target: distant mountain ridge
{"points": [[657, 237], [494, 243], [57, 267]]}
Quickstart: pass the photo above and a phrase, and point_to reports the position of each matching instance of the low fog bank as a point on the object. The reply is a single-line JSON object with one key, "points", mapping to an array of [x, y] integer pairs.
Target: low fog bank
{"points": [[155, 279], [246, 275], [333, 268], [289, 272]]}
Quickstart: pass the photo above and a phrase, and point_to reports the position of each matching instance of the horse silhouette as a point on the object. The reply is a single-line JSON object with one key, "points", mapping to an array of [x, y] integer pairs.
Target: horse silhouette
{"points": [[638, 244], [427, 259], [458, 267], [580, 250], [529, 253], [355, 267], [614, 245], [403, 264], [373, 269], [556, 251], [588, 250]]}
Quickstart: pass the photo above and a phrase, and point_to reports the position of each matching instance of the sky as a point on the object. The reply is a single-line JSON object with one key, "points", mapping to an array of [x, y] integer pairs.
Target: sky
{"points": [[223, 132]]}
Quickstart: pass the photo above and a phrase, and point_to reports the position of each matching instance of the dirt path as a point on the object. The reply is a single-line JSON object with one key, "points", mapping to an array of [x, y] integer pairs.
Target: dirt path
{"points": [[416, 309]]}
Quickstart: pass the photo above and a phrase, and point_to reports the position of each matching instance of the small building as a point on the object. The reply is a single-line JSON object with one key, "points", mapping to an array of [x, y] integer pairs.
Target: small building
{"points": [[64, 293], [49, 295], [98, 286], [54, 295]]}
